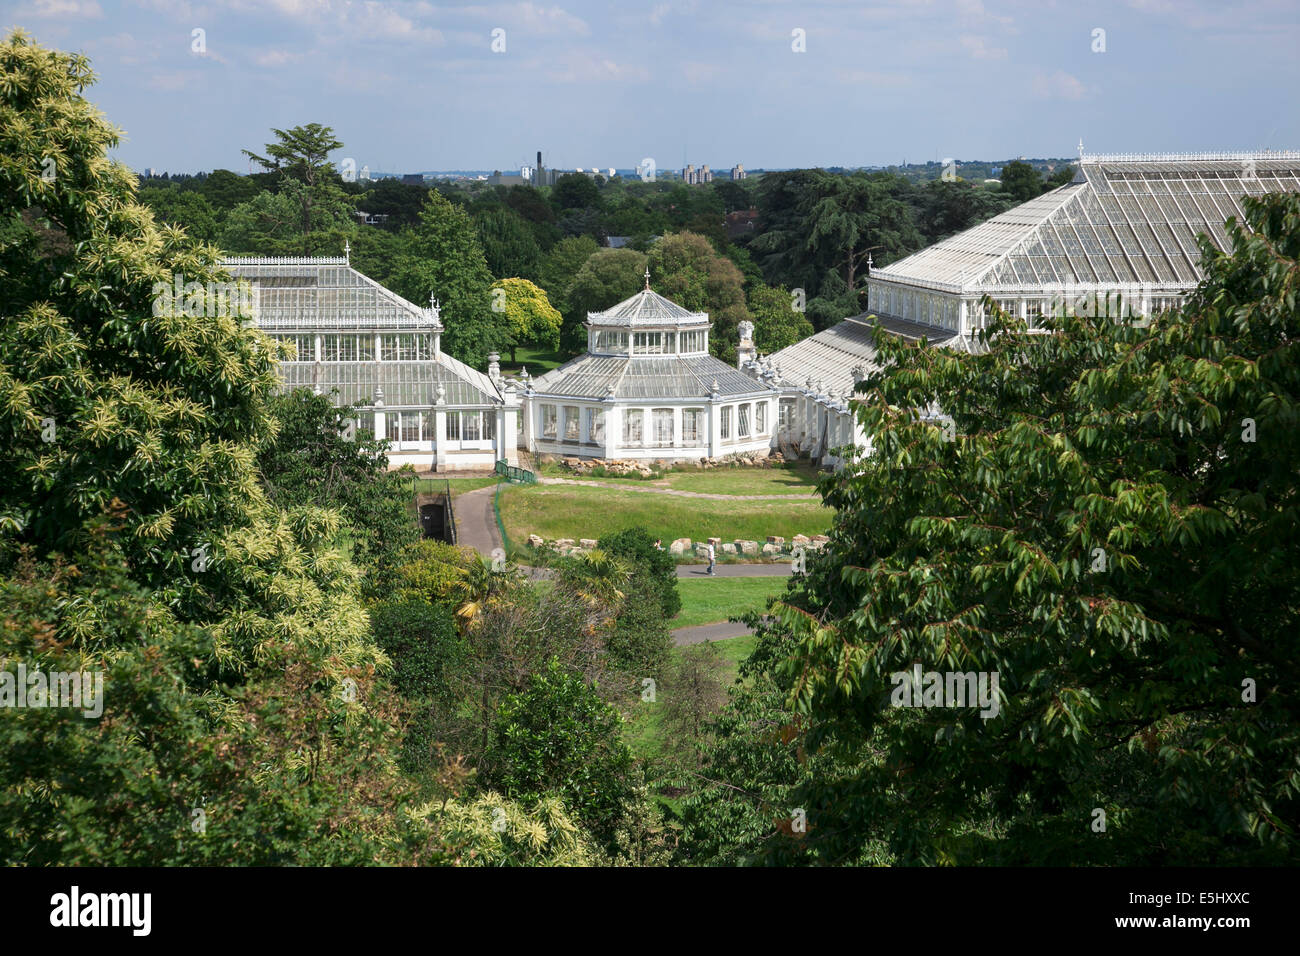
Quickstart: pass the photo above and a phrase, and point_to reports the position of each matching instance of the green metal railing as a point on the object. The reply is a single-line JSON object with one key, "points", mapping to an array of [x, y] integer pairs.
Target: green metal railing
{"points": [[517, 475]]}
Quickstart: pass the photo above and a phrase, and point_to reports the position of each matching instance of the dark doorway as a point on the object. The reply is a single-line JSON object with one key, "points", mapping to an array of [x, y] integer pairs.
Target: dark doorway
{"points": [[433, 521]]}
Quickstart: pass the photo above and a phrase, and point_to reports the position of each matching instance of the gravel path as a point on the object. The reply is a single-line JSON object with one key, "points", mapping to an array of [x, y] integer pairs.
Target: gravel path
{"points": [[476, 522], [685, 636]]}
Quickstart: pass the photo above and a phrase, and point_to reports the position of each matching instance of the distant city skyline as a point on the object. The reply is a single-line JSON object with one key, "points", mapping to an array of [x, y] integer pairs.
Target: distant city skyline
{"points": [[412, 86]]}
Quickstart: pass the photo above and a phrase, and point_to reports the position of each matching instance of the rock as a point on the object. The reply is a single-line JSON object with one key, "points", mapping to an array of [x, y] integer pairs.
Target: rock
{"points": [[775, 539], [819, 541], [587, 543], [680, 546], [536, 541], [748, 547], [702, 552], [729, 548], [802, 539], [563, 543], [572, 463], [716, 542], [770, 548]]}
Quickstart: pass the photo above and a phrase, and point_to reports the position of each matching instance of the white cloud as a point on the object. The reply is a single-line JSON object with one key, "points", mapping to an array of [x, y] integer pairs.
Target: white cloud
{"points": [[1058, 86], [271, 58], [871, 78], [529, 17], [86, 9], [699, 74], [169, 82], [581, 68], [980, 50]]}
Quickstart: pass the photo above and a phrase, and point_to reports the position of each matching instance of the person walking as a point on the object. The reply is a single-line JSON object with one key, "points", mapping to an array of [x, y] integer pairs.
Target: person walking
{"points": [[713, 557]]}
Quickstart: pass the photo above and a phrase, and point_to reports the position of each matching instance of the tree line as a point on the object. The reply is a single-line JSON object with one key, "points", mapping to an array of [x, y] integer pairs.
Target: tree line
{"points": [[789, 251]]}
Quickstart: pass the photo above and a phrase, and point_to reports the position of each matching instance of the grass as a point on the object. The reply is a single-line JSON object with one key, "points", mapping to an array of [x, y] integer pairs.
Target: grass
{"points": [[536, 361], [795, 480], [644, 730], [559, 511], [461, 485], [707, 602]]}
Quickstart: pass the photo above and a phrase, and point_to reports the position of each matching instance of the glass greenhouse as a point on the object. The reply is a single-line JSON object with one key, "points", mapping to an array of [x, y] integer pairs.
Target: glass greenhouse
{"points": [[366, 346], [1121, 238], [647, 387]]}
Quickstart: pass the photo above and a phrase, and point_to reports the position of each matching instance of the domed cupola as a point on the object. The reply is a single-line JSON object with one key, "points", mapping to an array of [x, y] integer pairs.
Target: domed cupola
{"points": [[647, 324]]}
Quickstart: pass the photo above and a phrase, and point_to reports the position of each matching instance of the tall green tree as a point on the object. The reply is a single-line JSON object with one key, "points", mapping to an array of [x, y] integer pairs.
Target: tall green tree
{"points": [[819, 230], [1021, 181], [225, 190], [136, 540], [509, 246], [442, 258], [558, 737], [531, 317], [271, 223], [686, 268], [301, 155], [320, 457], [607, 277], [561, 264], [1110, 533], [777, 323]]}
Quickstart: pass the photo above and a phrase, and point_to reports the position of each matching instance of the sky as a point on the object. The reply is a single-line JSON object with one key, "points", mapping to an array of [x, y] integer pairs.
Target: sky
{"points": [[412, 86]]}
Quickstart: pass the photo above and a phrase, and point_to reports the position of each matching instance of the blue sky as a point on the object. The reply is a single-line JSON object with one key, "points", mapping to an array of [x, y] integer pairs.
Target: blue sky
{"points": [[416, 85]]}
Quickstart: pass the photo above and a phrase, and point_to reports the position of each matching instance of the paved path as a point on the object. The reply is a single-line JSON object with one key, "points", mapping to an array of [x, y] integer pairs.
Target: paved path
{"points": [[673, 491], [476, 522], [774, 570], [685, 636]]}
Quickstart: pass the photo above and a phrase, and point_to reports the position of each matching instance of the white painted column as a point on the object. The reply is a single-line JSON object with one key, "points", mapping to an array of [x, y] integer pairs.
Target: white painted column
{"points": [[440, 430], [613, 430], [715, 429]]}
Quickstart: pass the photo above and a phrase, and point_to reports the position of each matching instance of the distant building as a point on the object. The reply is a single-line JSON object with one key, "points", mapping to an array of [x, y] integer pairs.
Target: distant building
{"points": [[365, 173], [499, 178], [617, 242], [371, 218], [413, 179], [737, 172], [695, 177]]}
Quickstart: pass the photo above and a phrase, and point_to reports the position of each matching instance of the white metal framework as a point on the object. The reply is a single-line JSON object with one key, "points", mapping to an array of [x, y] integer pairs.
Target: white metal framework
{"points": [[1122, 236], [365, 346], [647, 388]]}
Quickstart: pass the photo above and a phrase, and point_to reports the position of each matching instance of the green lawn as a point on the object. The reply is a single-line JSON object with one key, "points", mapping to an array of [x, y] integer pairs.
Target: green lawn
{"points": [[710, 601], [558, 511], [536, 361], [786, 480], [461, 485], [644, 729]]}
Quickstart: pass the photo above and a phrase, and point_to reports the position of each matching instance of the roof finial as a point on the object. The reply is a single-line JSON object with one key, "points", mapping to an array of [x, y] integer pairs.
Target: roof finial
{"points": [[347, 252], [1080, 147], [647, 278]]}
